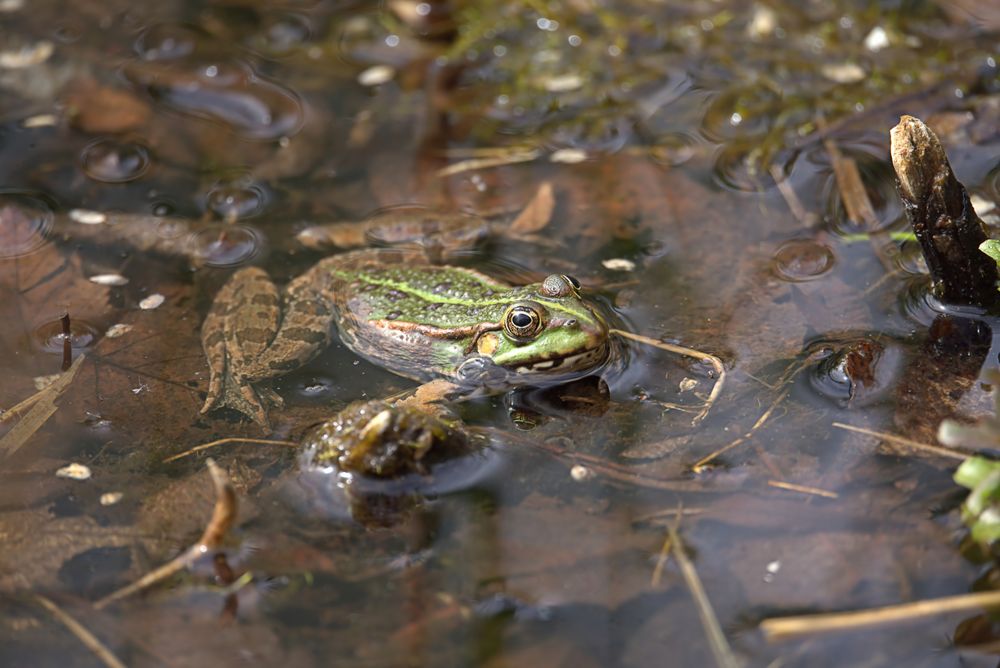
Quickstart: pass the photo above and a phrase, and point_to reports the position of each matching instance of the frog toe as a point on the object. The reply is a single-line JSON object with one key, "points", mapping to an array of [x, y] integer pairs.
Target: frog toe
{"points": [[241, 397]]}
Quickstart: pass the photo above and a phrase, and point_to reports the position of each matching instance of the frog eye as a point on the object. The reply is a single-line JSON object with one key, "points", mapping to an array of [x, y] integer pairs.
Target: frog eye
{"points": [[558, 285], [522, 321]]}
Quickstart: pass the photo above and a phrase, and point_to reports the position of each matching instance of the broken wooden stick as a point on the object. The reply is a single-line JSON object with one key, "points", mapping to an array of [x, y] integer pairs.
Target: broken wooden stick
{"points": [[942, 217], [223, 518]]}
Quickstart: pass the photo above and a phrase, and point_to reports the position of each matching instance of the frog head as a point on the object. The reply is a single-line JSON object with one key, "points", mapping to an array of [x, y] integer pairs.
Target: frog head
{"points": [[548, 333]]}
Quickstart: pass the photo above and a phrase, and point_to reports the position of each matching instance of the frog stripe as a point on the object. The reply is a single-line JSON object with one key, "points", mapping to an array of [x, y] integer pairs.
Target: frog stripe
{"points": [[424, 295]]}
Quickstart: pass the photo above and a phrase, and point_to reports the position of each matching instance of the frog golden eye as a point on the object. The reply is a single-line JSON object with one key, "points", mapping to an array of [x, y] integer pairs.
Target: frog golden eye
{"points": [[522, 321], [558, 285]]}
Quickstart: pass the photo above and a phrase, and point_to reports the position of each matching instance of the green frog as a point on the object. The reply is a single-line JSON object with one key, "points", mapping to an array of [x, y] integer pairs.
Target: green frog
{"points": [[400, 310]]}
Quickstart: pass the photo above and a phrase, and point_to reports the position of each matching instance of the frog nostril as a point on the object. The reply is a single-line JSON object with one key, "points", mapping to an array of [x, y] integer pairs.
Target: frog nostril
{"points": [[571, 322]]}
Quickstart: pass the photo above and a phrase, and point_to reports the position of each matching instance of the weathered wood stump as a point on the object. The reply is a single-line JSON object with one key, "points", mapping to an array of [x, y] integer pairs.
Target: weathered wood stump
{"points": [[942, 217]]}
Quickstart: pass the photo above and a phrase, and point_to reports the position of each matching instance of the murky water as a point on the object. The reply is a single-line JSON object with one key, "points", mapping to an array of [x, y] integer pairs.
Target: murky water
{"points": [[697, 153]]}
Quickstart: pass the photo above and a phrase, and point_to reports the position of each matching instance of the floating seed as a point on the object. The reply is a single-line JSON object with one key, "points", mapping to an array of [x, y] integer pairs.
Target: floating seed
{"points": [[87, 217], [151, 302], [111, 498], [109, 279], [121, 329], [74, 472], [376, 75], [568, 156], [618, 264]]}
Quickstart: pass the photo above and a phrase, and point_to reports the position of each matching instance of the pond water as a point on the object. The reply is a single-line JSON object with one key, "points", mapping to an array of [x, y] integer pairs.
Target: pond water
{"points": [[720, 181]]}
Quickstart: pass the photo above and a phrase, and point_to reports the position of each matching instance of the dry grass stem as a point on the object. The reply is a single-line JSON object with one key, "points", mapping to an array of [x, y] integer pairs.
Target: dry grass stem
{"points": [[668, 542], [456, 152], [804, 489], [720, 369], [785, 628], [700, 465], [613, 470], [721, 650], [899, 440], [670, 513], [852, 188], [475, 164], [791, 198], [89, 640], [223, 518], [231, 439]]}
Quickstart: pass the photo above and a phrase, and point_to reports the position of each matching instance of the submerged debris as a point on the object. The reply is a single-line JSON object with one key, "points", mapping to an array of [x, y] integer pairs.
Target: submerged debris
{"points": [[374, 439]]}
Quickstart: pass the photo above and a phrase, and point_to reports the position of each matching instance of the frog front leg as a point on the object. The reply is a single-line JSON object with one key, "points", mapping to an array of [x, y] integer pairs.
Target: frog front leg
{"points": [[247, 339]]}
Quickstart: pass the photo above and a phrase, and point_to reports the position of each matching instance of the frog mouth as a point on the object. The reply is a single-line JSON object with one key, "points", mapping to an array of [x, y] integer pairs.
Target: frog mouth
{"points": [[588, 359]]}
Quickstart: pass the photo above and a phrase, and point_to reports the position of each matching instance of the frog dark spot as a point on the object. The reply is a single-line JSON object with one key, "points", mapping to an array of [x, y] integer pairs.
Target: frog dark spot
{"points": [[433, 306], [284, 365], [441, 288], [255, 335], [394, 295], [215, 337], [490, 293], [392, 316], [264, 299], [307, 335], [318, 308]]}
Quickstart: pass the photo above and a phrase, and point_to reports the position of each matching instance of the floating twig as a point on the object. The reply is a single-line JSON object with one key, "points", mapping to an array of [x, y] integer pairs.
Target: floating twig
{"points": [[805, 489], [785, 628], [716, 363], [229, 439], [43, 405], [223, 518], [899, 440], [89, 640], [67, 342]]}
